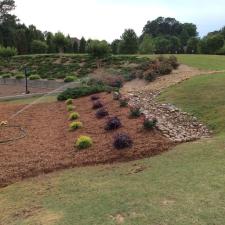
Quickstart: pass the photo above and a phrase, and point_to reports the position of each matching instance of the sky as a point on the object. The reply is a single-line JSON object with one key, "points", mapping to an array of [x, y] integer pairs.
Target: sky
{"points": [[107, 19]]}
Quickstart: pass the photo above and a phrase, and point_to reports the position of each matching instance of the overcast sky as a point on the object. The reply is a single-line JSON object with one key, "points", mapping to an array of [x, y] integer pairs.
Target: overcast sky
{"points": [[107, 19]]}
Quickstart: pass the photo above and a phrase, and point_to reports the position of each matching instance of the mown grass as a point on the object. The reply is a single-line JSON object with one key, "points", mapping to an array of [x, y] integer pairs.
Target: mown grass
{"points": [[184, 186]]}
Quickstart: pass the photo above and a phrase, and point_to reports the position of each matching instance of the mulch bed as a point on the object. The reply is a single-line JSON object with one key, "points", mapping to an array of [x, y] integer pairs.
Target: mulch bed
{"points": [[49, 145]]}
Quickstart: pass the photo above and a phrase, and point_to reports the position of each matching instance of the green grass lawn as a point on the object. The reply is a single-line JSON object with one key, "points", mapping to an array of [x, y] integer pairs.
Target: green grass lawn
{"points": [[184, 186]]}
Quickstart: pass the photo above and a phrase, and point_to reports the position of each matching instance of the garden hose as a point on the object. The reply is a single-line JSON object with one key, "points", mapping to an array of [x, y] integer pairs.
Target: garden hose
{"points": [[4, 125]]}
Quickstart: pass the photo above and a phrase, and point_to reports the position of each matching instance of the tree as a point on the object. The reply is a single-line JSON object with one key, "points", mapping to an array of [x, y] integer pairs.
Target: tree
{"points": [[7, 52], [50, 42], [115, 46], [38, 47], [5, 7], [21, 42], [214, 43], [147, 46], [98, 50], [75, 47], [193, 45], [129, 42], [60, 41], [82, 47], [162, 45]]}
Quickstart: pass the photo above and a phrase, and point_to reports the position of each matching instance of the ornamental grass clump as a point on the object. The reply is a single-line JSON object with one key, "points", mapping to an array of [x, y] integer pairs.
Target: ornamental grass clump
{"points": [[69, 101], [97, 104], [83, 142], [135, 111], [70, 108], [74, 116], [150, 124], [122, 141], [124, 102], [113, 123], [75, 125], [102, 112]]}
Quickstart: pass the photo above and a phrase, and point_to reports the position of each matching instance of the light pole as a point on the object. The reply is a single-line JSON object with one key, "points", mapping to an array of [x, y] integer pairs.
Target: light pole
{"points": [[26, 76]]}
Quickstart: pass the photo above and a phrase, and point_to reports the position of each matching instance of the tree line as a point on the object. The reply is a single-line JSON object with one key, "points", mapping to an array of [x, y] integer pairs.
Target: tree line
{"points": [[160, 36]]}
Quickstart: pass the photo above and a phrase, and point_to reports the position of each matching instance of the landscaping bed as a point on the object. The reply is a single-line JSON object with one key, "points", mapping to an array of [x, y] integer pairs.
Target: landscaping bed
{"points": [[49, 145]]}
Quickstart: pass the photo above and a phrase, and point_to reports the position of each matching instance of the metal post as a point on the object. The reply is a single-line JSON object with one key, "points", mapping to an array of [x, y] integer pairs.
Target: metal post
{"points": [[26, 76]]}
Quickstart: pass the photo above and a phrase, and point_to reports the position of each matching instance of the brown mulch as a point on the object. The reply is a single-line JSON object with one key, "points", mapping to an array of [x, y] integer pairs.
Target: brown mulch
{"points": [[49, 145]]}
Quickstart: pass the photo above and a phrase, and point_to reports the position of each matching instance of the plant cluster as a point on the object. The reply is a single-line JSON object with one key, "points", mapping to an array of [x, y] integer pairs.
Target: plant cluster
{"points": [[97, 104], [102, 112], [74, 116], [113, 123], [75, 125], [149, 124], [34, 77], [135, 111], [94, 97], [70, 108], [122, 141], [124, 102], [83, 142]]}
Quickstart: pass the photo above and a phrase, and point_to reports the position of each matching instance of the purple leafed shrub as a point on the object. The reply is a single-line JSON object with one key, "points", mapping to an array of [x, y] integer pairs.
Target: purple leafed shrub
{"points": [[97, 104], [122, 141], [94, 97], [102, 112], [113, 123]]}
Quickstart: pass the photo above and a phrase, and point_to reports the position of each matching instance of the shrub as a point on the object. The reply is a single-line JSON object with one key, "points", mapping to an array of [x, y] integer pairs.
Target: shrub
{"points": [[69, 101], [123, 102], [76, 125], [70, 108], [113, 123], [19, 76], [165, 68], [69, 79], [102, 113], [83, 142], [116, 82], [35, 77], [80, 92], [150, 124], [116, 95], [150, 75], [38, 47], [94, 97], [97, 105], [173, 61], [74, 116], [122, 141], [7, 75], [7, 52], [135, 111]]}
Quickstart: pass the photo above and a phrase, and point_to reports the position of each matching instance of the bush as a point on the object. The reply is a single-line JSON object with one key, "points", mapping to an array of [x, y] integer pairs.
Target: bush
{"points": [[116, 96], [173, 61], [38, 47], [165, 68], [80, 92], [7, 52], [97, 105], [83, 142], [135, 111], [94, 97], [70, 108], [75, 125], [74, 116], [19, 76], [69, 101], [69, 79], [123, 102], [122, 141], [113, 123], [7, 75], [150, 124], [35, 77], [150, 75], [102, 113]]}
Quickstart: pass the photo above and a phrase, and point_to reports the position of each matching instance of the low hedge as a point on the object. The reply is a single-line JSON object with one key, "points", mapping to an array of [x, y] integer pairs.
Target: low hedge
{"points": [[80, 92]]}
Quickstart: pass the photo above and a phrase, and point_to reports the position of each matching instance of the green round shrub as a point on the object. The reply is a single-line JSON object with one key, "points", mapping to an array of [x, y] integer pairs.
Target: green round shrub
{"points": [[70, 108], [7, 75], [74, 116], [75, 125], [83, 142], [69, 101], [19, 76], [69, 79], [35, 77]]}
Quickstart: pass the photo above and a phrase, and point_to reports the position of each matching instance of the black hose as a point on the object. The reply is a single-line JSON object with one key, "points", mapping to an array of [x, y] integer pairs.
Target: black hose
{"points": [[22, 131]]}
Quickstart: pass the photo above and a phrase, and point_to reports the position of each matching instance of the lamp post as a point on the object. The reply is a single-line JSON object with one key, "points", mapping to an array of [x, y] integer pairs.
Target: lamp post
{"points": [[26, 76]]}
